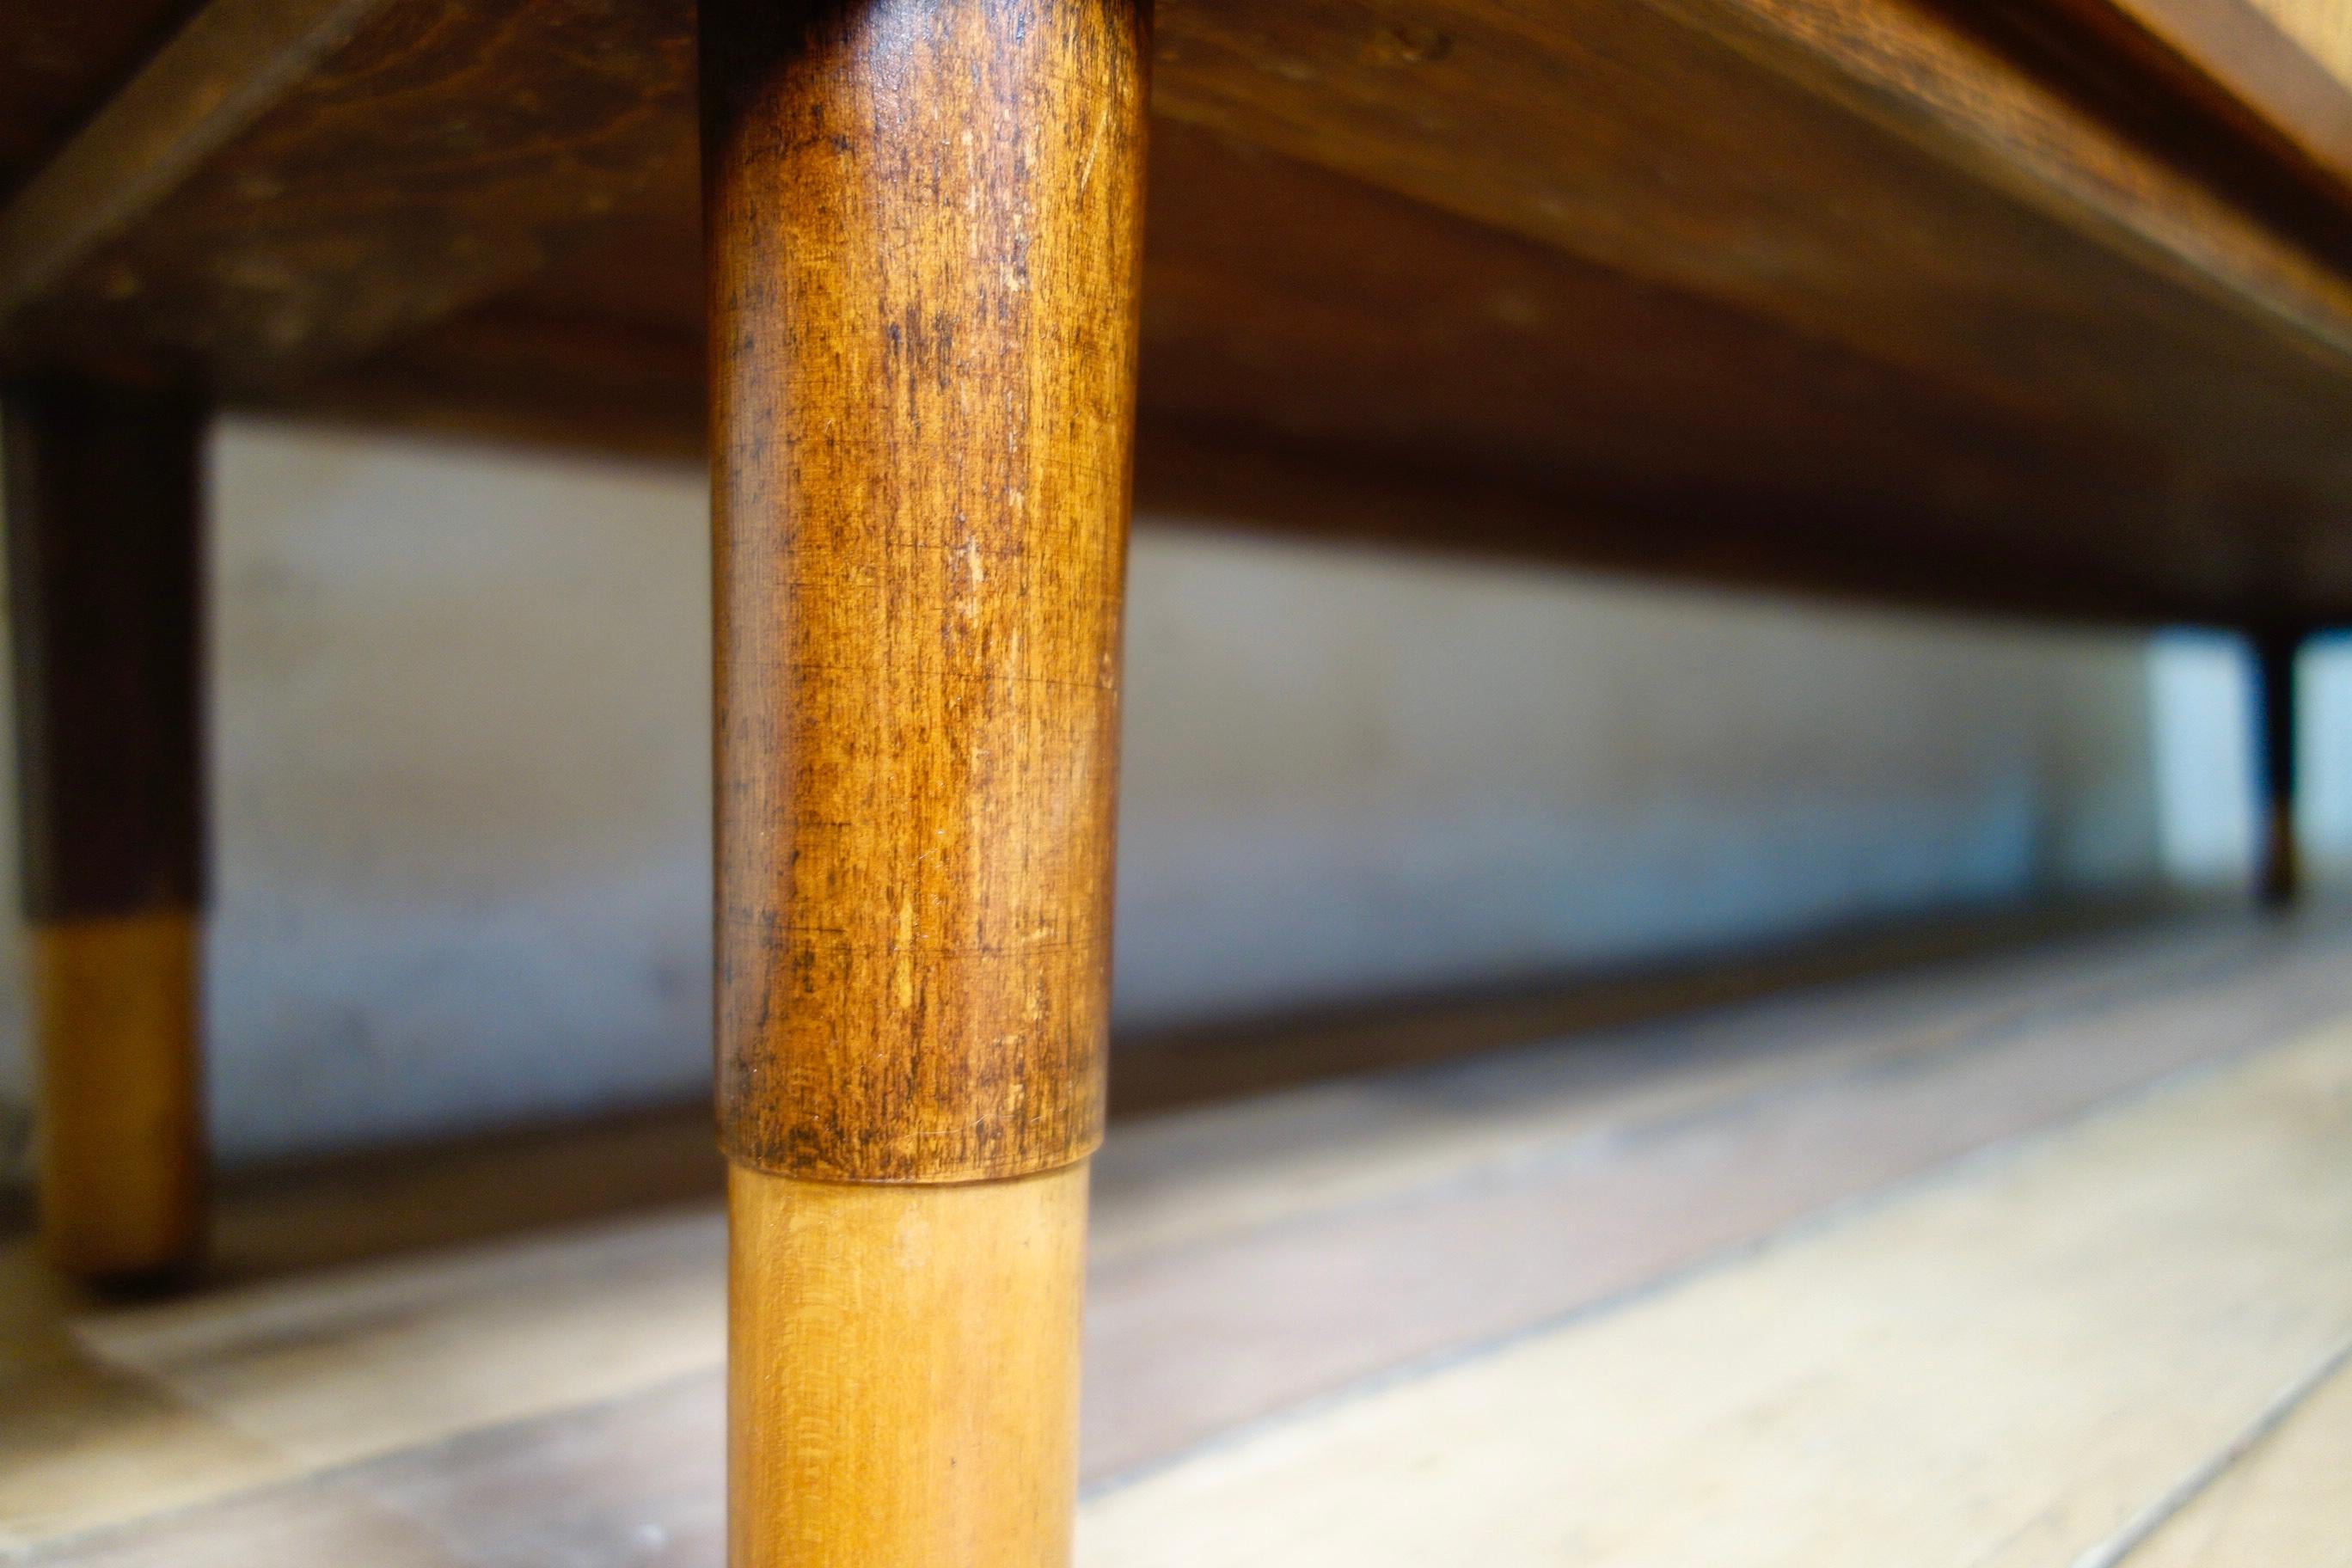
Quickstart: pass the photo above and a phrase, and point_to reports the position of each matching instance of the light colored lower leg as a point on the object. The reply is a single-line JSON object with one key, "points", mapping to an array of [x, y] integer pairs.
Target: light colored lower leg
{"points": [[903, 1372], [121, 1159]]}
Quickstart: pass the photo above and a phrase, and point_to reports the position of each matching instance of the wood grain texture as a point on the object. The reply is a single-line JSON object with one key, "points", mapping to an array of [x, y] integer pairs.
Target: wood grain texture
{"points": [[1326, 354], [211, 217], [195, 1400], [1248, 1057], [1322, 358], [903, 1372], [1874, 174], [233, 62], [1298, 1312], [1270, 1162], [1237, 1258], [120, 1129], [925, 224], [2288, 1499], [2280, 68], [323, 1338], [551, 1320], [2003, 1369], [1902, 311], [1800, 1107], [104, 501]]}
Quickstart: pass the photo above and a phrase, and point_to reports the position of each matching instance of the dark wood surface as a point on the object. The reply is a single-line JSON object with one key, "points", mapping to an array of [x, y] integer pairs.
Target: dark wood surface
{"points": [[1322, 357], [1999, 307], [104, 503], [925, 223], [291, 181], [62, 60]]}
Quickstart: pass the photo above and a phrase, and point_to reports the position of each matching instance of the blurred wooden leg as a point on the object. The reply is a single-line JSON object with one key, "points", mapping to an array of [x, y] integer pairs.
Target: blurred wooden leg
{"points": [[924, 224], [122, 1145], [2276, 655], [104, 500]]}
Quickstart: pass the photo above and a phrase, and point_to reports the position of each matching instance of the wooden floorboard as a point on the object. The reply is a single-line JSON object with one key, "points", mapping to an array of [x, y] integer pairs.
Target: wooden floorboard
{"points": [[556, 1398], [2001, 1369], [307, 1214], [1185, 1341], [1166, 1180], [2285, 1499]]}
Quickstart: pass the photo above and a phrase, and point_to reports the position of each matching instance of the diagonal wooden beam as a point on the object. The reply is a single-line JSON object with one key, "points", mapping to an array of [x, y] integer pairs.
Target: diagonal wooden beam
{"points": [[293, 183], [233, 61]]}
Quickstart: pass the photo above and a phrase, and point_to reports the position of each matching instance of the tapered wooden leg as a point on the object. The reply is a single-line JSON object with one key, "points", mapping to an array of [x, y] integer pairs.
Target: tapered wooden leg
{"points": [[924, 222], [104, 497], [2276, 657]]}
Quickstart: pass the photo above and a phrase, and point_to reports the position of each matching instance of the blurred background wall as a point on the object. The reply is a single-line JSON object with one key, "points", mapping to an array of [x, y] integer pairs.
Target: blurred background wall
{"points": [[461, 760]]}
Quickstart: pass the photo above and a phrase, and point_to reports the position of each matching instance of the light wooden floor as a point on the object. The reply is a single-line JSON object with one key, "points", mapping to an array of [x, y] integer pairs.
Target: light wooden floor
{"points": [[2043, 1259]]}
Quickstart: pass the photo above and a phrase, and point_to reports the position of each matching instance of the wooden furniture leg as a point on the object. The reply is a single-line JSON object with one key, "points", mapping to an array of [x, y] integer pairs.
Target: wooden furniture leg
{"points": [[104, 499], [924, 224], [2276, 656]]}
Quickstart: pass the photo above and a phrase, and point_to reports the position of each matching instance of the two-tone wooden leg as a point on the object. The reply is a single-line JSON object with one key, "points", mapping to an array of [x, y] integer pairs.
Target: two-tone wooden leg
{"points": [[2277, 655], [924, 224], [104, 513]]}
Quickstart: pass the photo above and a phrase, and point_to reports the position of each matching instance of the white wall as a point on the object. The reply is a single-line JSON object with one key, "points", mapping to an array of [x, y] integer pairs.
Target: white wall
{"points": [[2202, 693], [461, 759], [461, 762], [2325, 796], [1346, 771]]}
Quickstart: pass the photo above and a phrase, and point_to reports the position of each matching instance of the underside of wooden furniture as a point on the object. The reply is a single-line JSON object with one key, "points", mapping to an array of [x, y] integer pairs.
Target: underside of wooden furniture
{"points": [[2030, 306]]}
